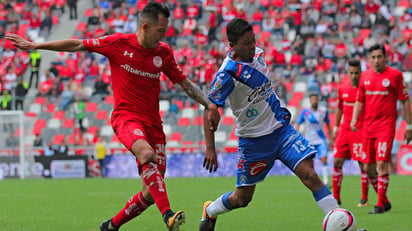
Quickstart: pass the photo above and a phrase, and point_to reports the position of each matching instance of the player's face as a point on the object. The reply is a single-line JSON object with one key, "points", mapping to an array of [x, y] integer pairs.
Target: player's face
{"points": [[354, 75], [244, 49], [314, 101], [156, 32], [378, 60]]}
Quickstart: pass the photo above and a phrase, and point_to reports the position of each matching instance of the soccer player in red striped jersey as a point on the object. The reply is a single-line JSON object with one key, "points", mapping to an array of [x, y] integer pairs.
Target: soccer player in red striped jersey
{"points": [[136, 62], [379, 89], [348, 143]]}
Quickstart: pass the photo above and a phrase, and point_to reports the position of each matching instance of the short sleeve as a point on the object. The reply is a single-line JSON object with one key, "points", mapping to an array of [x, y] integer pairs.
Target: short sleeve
{"points": [[222, 86]]}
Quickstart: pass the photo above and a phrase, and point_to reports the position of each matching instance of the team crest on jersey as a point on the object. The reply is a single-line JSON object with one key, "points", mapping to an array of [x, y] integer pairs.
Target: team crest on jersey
{"points": [[138, 132], [386, 82], [218, 84], [157, 61]]}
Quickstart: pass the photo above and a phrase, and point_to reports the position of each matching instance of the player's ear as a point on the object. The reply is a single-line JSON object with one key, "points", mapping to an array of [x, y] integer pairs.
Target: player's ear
{"points": [[145, 26], [231, 44]]}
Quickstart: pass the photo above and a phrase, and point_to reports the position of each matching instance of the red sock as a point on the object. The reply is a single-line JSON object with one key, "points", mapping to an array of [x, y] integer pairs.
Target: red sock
{"points": [[134, 207], [374, 182], [157, 188], [364, 185], [383, 183], [337, 177]]}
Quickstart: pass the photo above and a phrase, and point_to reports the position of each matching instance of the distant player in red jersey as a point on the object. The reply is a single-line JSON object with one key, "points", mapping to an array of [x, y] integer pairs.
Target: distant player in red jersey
{"points": [[136, 62], [348, 143], [379, 89]]}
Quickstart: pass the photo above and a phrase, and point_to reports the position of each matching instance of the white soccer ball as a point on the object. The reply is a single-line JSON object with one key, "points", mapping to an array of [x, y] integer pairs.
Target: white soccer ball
{"points": [[339, 220]]}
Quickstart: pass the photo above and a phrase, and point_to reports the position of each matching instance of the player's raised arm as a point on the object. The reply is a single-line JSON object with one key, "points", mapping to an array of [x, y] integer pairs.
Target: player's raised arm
{"points": [[69, 45], [194, 92], [408, 118], [210, 159]]}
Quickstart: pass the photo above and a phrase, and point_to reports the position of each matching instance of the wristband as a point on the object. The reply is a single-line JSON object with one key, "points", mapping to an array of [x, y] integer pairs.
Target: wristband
{"points": [[409, 127], [335, 129]]}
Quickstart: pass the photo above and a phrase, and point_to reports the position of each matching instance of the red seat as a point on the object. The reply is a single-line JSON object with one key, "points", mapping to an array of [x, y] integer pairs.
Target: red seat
{"points": [[180, 104], [187, 143], [198, 120], [109, 99], [101, 115], [89, 12], [162, 114], [38, 126], [50, 107], [228, 120], [59, 115], [115, 139], [68, 123], [81, 26], [364, 33], [176, 136], [58, 138], [92, 129], [91, 106], [70, 139], [183, 121], [403, 3], [40, 100]]}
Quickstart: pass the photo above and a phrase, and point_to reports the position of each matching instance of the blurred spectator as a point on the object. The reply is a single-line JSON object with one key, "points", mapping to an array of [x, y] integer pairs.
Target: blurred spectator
{"points": [[34, 24], [38, 142], [63, 149], [6, 100], [80, 111], [46, 85], [53, 69], [66, 96], [118, 24], [407, 61], [130, 26], [11, 141], [48, 149], [10, 78], [281, 90], [13, 18], [94, 19], [47, 23], [35, 60], [20, 93], [72, 4], [100, 87], [101, 151]]}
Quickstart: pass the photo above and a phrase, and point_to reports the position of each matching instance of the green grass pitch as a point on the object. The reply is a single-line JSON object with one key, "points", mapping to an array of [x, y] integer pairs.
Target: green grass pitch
{"points": [[280, 203]]}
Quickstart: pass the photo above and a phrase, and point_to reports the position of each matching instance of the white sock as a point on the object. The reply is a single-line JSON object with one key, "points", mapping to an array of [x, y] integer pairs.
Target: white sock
{"points": [[217, 207], [328, 203], [325, 174]]}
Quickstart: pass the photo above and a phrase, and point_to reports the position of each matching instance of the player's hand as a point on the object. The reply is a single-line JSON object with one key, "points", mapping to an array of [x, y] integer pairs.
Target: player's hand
{"points": [[332, 141], [210, 160], [213, 116], [20, 42], [353, 125], [408, 136]]}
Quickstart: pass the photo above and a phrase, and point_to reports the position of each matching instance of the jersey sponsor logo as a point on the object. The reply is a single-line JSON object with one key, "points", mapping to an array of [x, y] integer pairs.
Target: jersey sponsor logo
{"points": [[130, 69], [376, 92], [261, 93], [252, 113], [386, 82], [346, 95], [348, 104], [138, 132], [256, 168], [157, 61], [130, 54], [367, 82]]}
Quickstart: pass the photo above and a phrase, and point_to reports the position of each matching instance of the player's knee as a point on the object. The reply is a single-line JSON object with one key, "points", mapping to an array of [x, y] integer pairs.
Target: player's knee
{"points": [[147, 155]]}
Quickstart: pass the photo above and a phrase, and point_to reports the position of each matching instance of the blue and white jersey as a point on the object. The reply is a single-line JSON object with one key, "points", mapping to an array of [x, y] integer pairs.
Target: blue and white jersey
{"points": [[314, 124], [251, 96]]}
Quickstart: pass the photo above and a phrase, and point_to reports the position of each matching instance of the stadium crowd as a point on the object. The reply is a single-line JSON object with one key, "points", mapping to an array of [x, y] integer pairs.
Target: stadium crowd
{"points": [[306, 41]]}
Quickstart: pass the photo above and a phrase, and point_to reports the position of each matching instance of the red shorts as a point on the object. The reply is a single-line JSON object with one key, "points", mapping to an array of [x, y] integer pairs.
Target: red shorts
{"points": [[348, 144], [129, 130], [377, 149]]}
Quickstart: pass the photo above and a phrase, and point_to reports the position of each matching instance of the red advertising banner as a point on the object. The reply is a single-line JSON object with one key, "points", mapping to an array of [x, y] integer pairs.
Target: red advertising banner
{"points": [[404, 160]]}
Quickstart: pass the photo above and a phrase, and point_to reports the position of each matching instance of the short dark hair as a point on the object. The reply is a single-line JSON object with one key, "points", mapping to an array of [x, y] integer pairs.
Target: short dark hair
{"points": [[152, 10], [354, 63], [236, 28], [313, 93], [377, 47]]}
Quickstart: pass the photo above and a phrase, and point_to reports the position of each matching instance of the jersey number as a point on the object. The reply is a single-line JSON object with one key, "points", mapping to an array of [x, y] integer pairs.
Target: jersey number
{"points": [[160, 149], [299, 147], [382, 149], [357, 149]]}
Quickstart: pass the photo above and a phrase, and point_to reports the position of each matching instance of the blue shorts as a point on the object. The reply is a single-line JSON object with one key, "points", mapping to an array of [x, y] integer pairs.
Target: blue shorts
{"points": [[322, 149], [256, 156]]}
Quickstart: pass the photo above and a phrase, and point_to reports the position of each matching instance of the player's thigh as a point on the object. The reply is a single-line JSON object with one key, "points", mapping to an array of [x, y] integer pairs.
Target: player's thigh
{"points": [[294, 148], [342, 147], [322, 150], [368, 151], [256, 157]]}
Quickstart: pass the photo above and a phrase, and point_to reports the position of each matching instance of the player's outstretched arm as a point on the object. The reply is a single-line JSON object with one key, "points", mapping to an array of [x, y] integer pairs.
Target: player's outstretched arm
{"points": [[194, 92], [408, 119], [356, 111], [338, 118], [210, 159], [69, 45]]}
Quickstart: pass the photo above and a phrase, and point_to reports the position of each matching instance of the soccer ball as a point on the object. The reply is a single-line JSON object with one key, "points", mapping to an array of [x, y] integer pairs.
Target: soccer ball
{"points": [[339, 220]]}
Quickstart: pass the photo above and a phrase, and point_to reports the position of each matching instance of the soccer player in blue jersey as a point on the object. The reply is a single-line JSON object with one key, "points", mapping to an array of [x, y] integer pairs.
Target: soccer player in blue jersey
{"points": [[263, 128], [314, 119]]}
